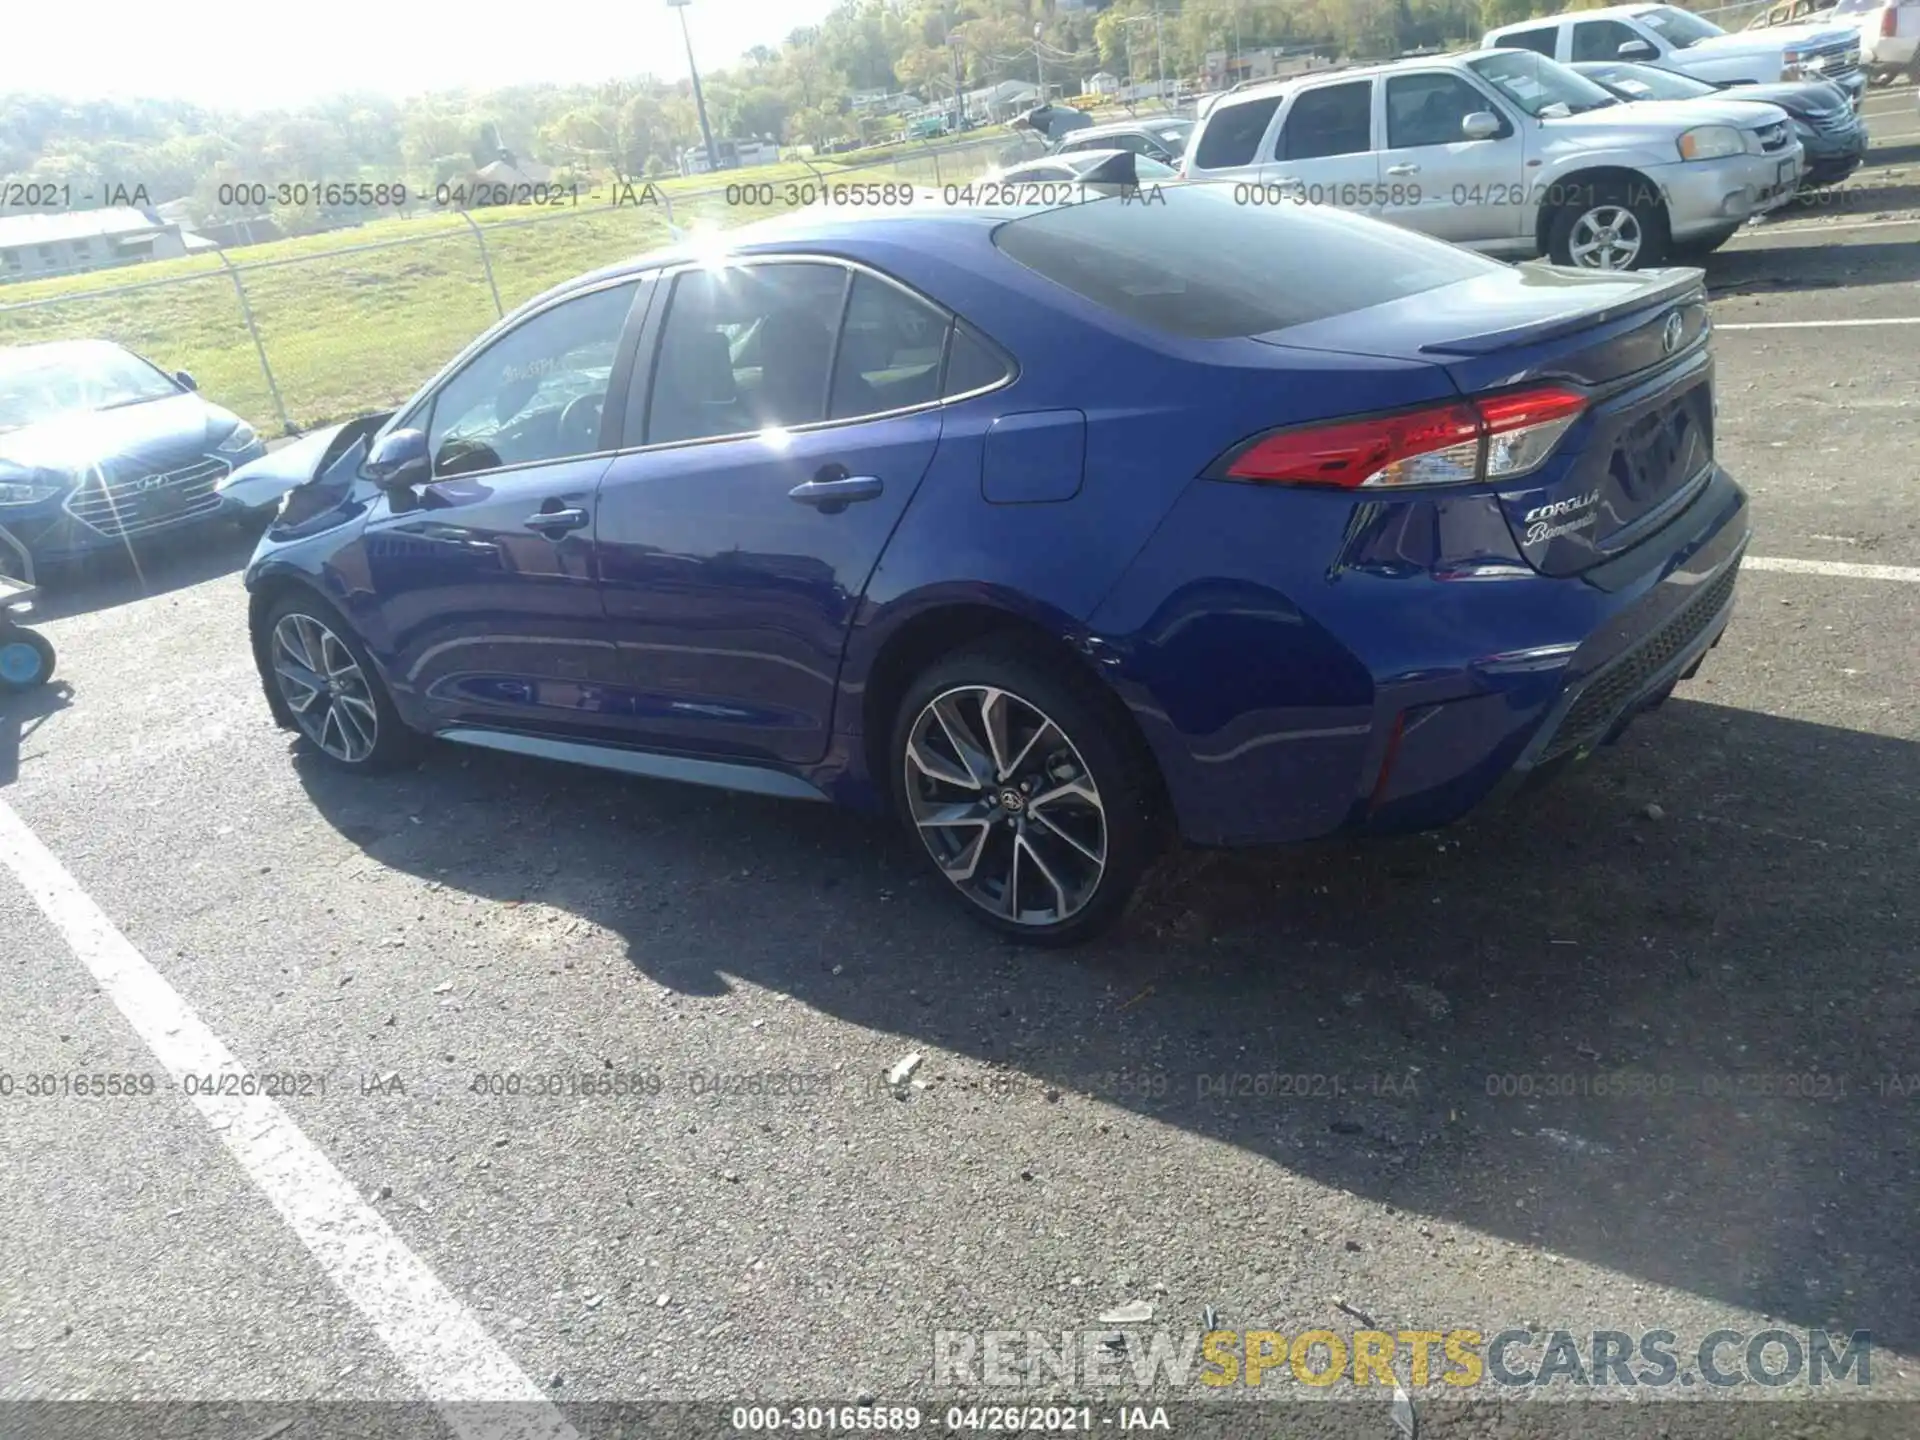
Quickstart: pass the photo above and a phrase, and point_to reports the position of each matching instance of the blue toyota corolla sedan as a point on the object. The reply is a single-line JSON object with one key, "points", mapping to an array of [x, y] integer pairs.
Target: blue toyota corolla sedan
{"points": [[100, 449], [1055, 531]]}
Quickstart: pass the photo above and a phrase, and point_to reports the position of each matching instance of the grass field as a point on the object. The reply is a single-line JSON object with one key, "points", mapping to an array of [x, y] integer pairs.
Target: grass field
{"points": [[354, 320]]}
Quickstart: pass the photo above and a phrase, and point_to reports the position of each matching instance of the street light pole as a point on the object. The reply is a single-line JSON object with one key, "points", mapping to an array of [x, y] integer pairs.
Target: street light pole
{"points": [[1039, 64], [699, 100]]}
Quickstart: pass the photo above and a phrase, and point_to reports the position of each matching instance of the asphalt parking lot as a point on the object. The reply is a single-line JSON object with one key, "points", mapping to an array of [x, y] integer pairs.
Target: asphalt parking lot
{"points": [[1728, 899]]}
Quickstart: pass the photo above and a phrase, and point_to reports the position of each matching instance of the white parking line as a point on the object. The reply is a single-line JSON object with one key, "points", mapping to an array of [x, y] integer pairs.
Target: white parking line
{"points": [[1842, 568], [1760, 232], [1817, 324], [435, 1338]]}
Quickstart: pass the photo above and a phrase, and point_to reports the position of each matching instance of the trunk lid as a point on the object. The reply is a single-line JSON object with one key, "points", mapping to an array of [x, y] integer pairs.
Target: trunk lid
{"points": [[1635, 344]]}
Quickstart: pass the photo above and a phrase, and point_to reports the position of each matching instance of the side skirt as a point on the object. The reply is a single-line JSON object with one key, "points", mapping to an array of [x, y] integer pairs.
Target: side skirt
{"points": [[722, 774]]}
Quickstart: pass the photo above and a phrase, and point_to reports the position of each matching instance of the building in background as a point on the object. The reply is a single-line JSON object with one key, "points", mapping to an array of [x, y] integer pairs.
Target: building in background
{"points": [[74, 241], [733, 155], [1224, 68]]}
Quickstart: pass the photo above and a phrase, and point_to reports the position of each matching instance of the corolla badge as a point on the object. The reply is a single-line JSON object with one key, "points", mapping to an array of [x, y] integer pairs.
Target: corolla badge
{"points": [[1672, 332], [1540, 520]]}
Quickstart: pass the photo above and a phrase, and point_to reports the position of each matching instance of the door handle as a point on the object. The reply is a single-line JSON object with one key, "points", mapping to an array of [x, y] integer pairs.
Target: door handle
{"points": [[1403, 169], [832, 495], [555, 523]]}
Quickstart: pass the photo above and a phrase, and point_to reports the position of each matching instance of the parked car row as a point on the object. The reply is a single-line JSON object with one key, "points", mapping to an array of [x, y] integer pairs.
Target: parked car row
{"points": [[1509, 153], [1657, 139], [1889, 30]]}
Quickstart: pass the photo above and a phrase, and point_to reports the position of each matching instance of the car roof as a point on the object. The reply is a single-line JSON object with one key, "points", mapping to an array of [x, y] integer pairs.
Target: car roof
{"points": [[1125, 127], [1283, 84], [1608, 12], [819, 229]]}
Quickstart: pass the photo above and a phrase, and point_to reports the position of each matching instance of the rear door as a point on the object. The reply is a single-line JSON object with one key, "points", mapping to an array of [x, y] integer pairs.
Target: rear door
{"points": [[1434, 179], [1325, 150], [790, 413]]}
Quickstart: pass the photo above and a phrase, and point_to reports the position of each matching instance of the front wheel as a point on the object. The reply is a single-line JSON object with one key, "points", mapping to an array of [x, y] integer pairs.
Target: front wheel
{"points": [[1026, 791], [1610, 226], [328, 683]]}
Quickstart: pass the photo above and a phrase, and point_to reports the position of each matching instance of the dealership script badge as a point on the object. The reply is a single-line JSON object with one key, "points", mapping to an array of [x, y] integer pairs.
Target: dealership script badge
{"points": [[1540, 519]]}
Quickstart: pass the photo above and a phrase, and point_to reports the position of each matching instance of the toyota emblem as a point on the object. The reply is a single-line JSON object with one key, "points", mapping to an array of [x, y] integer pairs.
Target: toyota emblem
{"points": [[1670, 334]]}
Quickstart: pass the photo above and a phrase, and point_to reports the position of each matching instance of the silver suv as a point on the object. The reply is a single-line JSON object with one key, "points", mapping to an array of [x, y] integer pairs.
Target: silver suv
{"points": [[1506, 152]]}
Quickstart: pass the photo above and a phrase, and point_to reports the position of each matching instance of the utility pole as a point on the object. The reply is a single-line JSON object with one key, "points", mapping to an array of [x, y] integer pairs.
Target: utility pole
{"points": [[959, 105], [1160, 53], [1039, 64], [699, 100]]}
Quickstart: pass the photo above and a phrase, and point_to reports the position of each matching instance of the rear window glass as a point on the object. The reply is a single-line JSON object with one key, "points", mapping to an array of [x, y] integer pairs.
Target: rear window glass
{"points": [[1201, 266], [1232, 133], [1334, 120], [1540, 41]]}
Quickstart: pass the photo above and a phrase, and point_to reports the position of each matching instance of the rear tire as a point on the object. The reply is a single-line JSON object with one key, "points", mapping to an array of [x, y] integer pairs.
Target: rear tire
{"points": [[1026, 791], [1610, 226], [329, 684]]}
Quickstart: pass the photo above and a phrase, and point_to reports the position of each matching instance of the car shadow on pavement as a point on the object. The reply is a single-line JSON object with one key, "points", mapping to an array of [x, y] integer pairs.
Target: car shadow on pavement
{"points": [[121, 577], [1655, 1016], [1816, 265]]}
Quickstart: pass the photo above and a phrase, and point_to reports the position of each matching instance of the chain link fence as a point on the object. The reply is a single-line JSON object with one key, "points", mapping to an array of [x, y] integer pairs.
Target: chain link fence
{"points": [[300, 333]]}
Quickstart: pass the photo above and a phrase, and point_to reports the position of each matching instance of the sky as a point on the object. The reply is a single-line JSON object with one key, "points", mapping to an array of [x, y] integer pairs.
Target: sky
{"points": [[229, 54]]}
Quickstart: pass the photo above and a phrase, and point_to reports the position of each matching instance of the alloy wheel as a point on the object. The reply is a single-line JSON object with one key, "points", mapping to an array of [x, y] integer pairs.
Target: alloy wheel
{"points": [[1005, 805], [1607, 237], [325, 688]]}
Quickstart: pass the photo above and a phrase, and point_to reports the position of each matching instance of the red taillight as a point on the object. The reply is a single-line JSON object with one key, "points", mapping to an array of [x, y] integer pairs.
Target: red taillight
{"points": [[1522, 409], [1889, 22], [1491, 437]]}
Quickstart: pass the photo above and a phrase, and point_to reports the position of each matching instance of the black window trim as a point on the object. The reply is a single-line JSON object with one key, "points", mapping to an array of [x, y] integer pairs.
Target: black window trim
{"points": [[1554, 23], [654, 334], [1463, 73], [417, 413], [1375, 94], [1225, 105]]}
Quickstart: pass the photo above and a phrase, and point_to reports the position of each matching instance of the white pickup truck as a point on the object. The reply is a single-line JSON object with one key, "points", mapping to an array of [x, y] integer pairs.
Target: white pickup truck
{"points": [[1678, 40]]}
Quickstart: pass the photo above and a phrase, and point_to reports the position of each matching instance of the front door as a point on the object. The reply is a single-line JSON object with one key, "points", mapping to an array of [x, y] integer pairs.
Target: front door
{"points": [[1438, 181], [790, 414], [488, 597]]}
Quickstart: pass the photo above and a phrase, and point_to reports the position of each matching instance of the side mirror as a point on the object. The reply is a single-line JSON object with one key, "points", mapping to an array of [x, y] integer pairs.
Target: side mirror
{"points": [[399, 459], [1637, 50], [1480, 125], [185, 380]]}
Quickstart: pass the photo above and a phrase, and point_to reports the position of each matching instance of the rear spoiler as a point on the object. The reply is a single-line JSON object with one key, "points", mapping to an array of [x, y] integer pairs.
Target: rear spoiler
{"points": [[1677, 283]]}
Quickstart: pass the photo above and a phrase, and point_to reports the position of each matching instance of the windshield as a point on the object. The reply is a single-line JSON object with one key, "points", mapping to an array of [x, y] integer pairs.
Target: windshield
{"points": [[1643, 82], [38, 384], [1543, 88], [1677, 27], [1174, 135]]}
